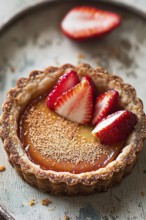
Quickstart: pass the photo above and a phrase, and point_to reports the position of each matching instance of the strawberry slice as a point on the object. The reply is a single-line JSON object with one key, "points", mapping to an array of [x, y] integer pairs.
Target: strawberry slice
{"points": [[115, 127], [65, 82], [105, 104], [93, 86], [77, 103], [85, 22]]}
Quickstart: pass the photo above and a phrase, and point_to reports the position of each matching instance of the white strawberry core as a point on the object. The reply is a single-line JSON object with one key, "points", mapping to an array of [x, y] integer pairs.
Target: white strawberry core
{"points": [[102, 103], [103, 124]]}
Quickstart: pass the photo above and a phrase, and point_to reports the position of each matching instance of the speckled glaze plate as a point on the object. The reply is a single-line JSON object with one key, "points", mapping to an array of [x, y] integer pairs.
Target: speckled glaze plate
{"points": [[35, 42]]}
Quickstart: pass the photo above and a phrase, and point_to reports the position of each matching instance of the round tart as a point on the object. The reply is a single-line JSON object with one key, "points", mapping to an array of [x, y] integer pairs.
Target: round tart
{"points": [[58, 155]]}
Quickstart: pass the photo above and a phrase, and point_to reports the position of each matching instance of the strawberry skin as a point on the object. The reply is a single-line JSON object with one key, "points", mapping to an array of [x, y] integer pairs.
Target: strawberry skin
{"points": [[77, 103], [65, 82], [105, 104], [115, 127], [85, 22], [88, 78]]}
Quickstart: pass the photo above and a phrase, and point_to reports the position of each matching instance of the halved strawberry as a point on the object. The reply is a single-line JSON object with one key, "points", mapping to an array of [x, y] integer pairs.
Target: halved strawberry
{"points": [[105, 104], [65, 82], [115, 127], [85, 22], [77, 103]]}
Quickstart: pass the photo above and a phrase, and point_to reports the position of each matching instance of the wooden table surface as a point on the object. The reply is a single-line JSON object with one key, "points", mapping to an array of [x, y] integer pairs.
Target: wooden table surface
{"points": [[126, 201]]}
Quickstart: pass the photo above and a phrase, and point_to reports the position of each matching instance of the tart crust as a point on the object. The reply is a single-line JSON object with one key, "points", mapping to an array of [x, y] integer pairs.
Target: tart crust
{"points": [[65, 182]]}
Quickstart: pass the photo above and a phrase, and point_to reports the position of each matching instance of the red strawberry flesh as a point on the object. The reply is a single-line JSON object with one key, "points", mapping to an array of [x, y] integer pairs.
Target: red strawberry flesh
{"points": [[77, 103], [65, 82], [85, 22], [115, 127], [105, 104]]}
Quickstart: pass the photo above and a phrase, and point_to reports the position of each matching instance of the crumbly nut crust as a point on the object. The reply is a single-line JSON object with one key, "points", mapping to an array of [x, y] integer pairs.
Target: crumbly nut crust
{"points": [[65, 182]]}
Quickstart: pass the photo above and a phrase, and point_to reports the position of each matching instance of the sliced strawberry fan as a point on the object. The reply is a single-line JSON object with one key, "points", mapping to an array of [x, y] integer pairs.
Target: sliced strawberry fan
{"points": [[73, 100], [86, 22]]}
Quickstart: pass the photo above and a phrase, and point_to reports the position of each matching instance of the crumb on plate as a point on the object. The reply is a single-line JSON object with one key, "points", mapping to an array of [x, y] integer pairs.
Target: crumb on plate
{"points": [[66, 217], [142, 193], [32, 202], [2, 168], [46, 202], [81, 56]]}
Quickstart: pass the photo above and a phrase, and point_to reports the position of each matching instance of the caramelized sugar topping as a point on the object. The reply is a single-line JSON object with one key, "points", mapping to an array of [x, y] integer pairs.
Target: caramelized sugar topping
{"points": [[61, 145]]}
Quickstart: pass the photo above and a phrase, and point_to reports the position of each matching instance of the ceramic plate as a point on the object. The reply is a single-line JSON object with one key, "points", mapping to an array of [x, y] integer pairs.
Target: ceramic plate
{"points": [[35, 42]]}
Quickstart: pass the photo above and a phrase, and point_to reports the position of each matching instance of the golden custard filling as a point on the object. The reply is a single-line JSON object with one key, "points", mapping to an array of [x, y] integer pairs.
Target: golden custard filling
{"points": [[60, 145]]}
